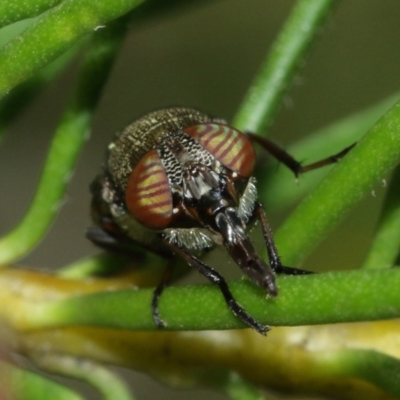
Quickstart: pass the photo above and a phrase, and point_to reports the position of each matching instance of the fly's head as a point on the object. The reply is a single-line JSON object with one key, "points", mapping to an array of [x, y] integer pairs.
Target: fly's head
{"points": [[195, 188]]}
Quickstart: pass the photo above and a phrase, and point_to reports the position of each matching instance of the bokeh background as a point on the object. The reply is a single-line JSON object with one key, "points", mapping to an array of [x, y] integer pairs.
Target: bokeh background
{"points": [[206, 56]]}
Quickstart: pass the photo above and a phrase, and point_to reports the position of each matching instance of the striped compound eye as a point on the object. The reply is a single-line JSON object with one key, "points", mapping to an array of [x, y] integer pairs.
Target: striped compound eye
{"points": [[148, 195], [229, 146]]}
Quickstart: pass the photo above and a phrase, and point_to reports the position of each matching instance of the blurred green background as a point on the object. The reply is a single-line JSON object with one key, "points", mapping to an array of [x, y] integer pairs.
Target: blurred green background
{"points": [[206, 56]]}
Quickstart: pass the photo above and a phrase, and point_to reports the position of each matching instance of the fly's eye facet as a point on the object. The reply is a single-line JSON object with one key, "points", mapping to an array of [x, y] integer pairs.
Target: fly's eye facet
{"points": [[229, 146], [148, 195]]}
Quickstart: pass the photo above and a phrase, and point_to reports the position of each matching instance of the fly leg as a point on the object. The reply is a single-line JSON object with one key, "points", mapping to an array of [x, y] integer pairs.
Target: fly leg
{"points": [[272, 251], [165, 280], [118, 245], [215, 278], [296, 167], [123, 247], [286, 159]]}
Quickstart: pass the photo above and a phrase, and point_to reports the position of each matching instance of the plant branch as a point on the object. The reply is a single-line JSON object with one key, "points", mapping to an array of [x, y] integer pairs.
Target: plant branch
{"points": [[312, 299], [101, 378], [17, 383], [372, 366], [22, 95], [53, 33], [67, 142], [278, 71], [13, 11], [386, 245]]}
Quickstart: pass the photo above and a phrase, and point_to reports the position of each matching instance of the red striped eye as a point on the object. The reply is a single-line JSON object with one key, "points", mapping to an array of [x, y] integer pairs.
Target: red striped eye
{"points": [[148, 195], [229, 146]]}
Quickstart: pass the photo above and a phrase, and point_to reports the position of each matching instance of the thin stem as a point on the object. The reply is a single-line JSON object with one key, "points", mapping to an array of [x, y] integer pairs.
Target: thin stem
{"points": [[53, 33], [101, 265], [68, 140], [386, 245], [17, 383], [305, 300], [278, 71], [240, 389], [372, 366], [13, 11], [22, 95], [101, 378]]}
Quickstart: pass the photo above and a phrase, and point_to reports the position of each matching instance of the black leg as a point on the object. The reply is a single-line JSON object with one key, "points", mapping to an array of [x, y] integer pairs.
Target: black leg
{"points": [[166, 278], [293, 271], [273, 255], [286, 159], [215, 278], [119, 245]]}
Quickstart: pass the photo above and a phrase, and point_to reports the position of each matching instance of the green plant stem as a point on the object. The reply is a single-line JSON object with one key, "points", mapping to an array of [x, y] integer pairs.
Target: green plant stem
{"points": [[239, 389], [68, 140], [306, 300], [377, 368], [17, 383], [386, 246], [106, 382], [53, 33], [102, 264], [22, 95], [13, 11], [278, 71], [354, 176], [9, 32]]}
